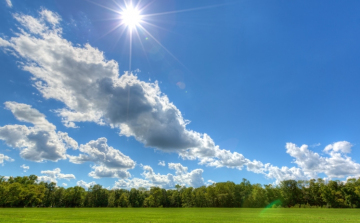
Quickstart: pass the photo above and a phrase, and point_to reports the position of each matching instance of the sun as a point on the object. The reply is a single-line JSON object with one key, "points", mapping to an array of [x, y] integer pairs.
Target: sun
{"points": [[134, 21], [131, 17]]}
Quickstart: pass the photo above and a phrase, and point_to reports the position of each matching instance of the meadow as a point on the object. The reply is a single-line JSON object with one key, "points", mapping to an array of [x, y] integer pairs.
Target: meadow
{"points": [[188, 215]]}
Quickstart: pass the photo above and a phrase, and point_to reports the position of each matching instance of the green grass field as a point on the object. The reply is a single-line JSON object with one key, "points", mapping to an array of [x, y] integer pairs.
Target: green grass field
{"points": [[154, 215]]}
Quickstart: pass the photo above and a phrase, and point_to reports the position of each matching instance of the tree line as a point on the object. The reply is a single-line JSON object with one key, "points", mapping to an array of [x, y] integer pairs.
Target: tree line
{"points": [[26, 191]]}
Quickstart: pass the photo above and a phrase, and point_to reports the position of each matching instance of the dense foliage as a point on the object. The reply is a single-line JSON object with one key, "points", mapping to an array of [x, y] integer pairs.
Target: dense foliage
{"points": [[28, 192]]}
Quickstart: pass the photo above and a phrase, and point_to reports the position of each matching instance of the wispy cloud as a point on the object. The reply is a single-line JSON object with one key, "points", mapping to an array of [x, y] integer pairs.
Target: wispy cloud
{"points": [[9, 3], [161, 163], [25, 168], [5, 158]]}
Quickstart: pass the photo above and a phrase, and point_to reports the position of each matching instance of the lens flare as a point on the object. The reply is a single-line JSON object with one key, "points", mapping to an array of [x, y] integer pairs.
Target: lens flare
{"points": [[272, 206]]}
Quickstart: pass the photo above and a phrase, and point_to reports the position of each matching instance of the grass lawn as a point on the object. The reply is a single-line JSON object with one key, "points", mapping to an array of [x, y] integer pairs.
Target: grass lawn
{"points": [[187, 215]]}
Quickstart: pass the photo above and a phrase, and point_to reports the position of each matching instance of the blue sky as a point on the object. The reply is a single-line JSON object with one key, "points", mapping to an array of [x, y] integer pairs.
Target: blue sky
{"points": [[212, 91]]}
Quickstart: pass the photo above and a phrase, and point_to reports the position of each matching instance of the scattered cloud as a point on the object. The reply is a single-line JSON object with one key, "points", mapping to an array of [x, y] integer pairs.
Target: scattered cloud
{"points": [[38, 143], [283, 173], [53, 175], [133, 183], [110, 162], [161, 163], [343, 147], [182, 177], [5, 158], [85, 185], [25, 168], [315, 145], [103, 171], [64, 184], [92, 90], [310, 164], [210, 182], [9, 3]]}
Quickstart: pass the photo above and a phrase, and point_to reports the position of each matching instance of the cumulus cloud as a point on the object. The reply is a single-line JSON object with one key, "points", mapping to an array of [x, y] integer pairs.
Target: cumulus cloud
{"points": [[5, 158], [133, 183], [161, 163], [310, 164], [38, 143], [179, 169], [210, 182], [110, 162], [85, 185], [92, 90], [343, 147], [102, 171], [182, 177], [53, 175], [25, 168], [9, 3], [284, 173]]}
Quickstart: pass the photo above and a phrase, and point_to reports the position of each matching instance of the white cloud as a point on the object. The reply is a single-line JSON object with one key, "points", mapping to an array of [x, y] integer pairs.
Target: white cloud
{"points": [[161, 163], [133, 183], [85, 185], [25, 168], [315, 145], [98, 151], [342, 146], [5, 158], [110, 162], [210, 182], [165, 181], [179, 169], [9, 3], [92, 90], [53, 175], [102, 171], [64, 184], [336, 165], [26, 113], [284, 173], [50, 17], [38, 143], [182, 177]]}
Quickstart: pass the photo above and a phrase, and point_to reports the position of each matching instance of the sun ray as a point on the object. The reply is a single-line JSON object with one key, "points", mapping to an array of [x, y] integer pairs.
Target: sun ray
{"points": [[158, 42], [130, 53], [184, 10], [132, 19], [110, 31], [159, 27], [113, 10], [142, 46]]}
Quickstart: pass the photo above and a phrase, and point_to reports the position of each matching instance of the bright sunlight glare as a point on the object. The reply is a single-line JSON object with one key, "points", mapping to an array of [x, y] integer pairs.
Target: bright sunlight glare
{"points": [[131, 17]]}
